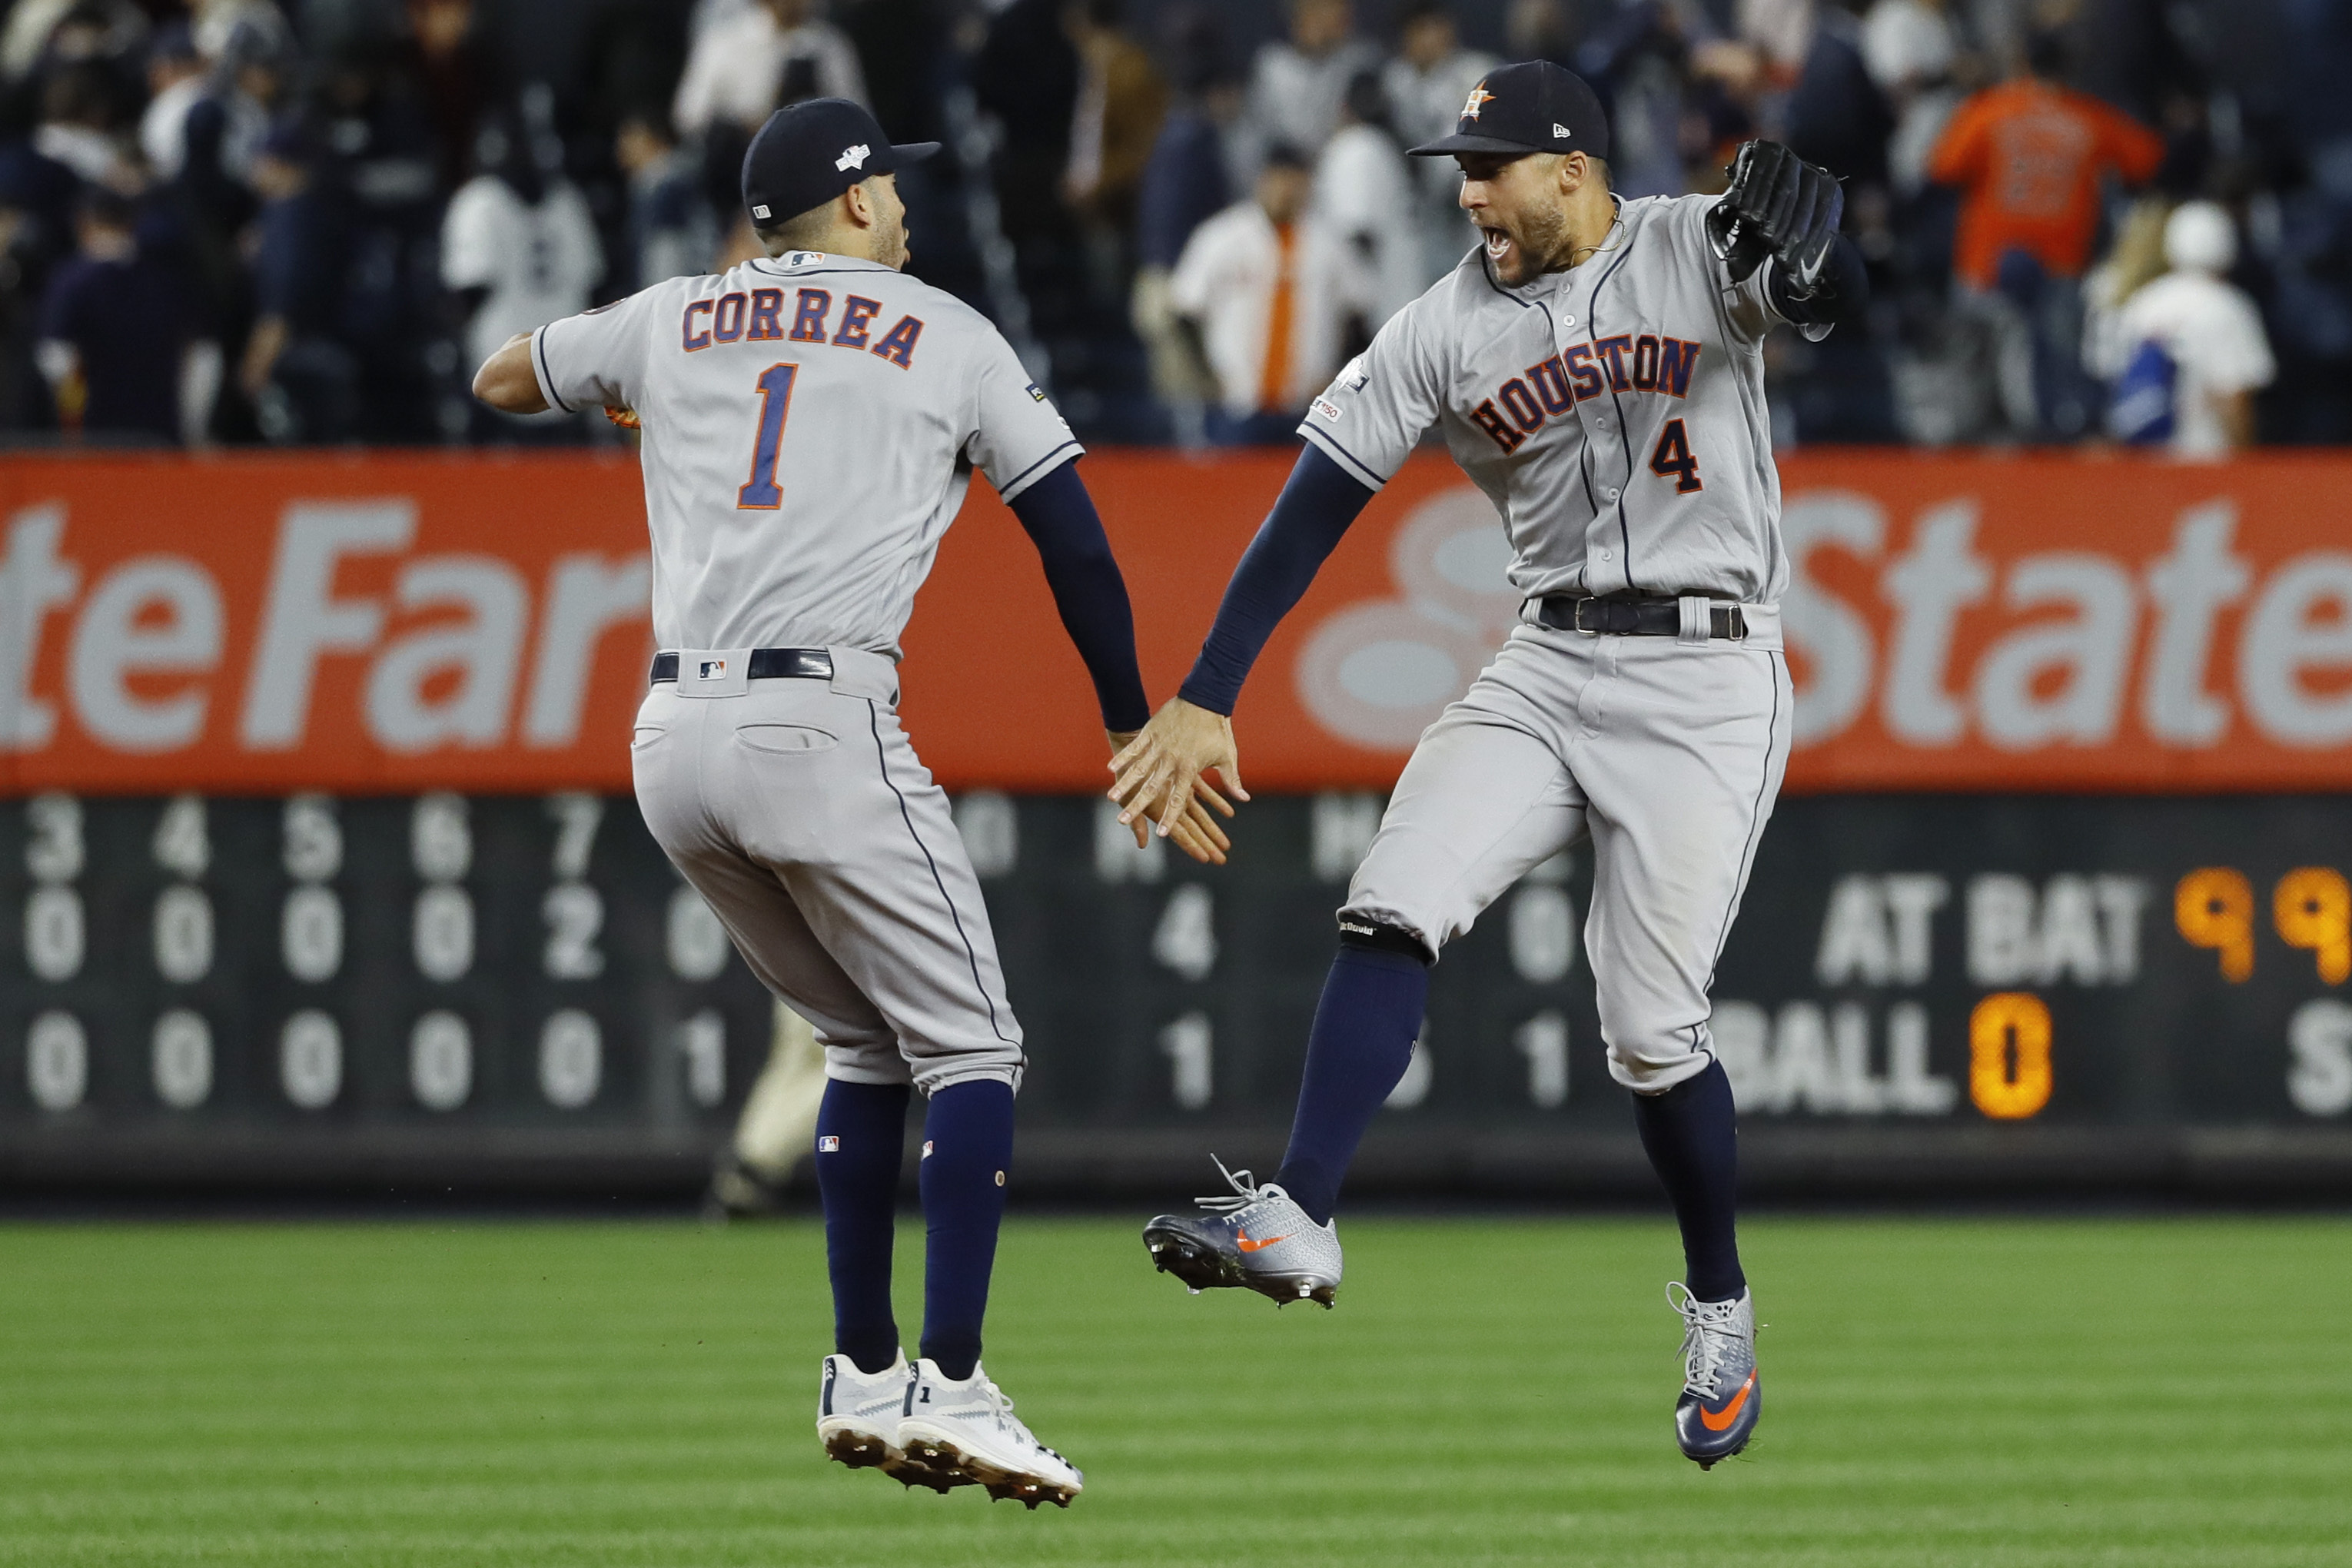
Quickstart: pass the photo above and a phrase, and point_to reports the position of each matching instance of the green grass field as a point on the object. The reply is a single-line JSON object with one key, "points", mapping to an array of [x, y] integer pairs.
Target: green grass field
{"points": [[2011, 1392]]}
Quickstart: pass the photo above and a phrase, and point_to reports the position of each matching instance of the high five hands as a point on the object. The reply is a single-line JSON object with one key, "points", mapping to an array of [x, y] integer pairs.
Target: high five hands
{"points": [[1161, 779]]}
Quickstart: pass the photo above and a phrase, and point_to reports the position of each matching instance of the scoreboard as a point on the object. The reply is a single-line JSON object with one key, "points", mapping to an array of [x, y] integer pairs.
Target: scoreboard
{"points": [[1953, 993]]}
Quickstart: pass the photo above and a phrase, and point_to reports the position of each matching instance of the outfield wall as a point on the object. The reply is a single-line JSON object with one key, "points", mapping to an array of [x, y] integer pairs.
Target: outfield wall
{"points": [[326, 875]]}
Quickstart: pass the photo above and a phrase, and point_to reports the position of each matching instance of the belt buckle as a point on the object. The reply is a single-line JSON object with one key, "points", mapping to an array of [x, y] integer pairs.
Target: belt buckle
{"points": [[1576, 619]]}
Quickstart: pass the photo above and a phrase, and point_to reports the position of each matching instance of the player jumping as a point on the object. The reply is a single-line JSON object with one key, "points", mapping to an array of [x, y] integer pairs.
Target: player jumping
{"points": [[1596, 368], [808, 421]]}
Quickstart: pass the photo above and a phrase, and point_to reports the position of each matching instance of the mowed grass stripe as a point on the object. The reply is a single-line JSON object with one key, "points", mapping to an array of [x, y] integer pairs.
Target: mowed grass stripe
{"points": [[1976, 1392]]}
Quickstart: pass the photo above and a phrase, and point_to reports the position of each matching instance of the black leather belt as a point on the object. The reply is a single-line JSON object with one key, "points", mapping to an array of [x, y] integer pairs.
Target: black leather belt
{"points": [[767, 664], [1634, 617]]}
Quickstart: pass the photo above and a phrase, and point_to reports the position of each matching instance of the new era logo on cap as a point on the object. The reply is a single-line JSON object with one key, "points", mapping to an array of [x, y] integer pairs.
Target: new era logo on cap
{"points": [[1559, 131], [854, 157], [760, 211]]}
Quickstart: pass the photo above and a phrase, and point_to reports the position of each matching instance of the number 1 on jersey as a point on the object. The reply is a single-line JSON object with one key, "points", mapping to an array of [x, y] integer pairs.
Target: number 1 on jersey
{"points": [[760, 492], [1673, 460]]}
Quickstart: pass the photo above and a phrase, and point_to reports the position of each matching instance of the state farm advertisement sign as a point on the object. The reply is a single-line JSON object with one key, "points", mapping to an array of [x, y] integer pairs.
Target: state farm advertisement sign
{"points": [[390, 623]]}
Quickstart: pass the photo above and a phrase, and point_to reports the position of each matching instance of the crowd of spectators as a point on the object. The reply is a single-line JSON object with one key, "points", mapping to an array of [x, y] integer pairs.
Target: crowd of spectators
{"points": [[305, 221]]}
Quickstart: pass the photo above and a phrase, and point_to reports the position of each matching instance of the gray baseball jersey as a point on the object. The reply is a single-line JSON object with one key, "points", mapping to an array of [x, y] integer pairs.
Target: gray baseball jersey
{"points": [[811, 423], [1613, 412], [810, 426]]}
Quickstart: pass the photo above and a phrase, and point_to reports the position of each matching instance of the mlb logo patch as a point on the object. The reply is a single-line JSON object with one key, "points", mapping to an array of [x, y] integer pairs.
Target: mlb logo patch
{"points": [[927, 1148], [711, 669], [1037, 392], [828, 1144]]}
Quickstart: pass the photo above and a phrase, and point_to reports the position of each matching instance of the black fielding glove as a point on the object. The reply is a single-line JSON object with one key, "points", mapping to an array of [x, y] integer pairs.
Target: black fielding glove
{"points": [[1777, 205]]}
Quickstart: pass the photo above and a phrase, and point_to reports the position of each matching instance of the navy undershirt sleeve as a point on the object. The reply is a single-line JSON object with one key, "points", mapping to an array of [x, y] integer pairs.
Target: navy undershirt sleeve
{"points": [[1316, 504], [1088, 591], [1841, 294]]}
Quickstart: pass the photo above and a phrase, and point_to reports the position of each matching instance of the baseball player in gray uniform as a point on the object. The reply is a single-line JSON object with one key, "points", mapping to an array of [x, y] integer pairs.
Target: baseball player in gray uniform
{"points": [[1595, 367], [810, 421]]}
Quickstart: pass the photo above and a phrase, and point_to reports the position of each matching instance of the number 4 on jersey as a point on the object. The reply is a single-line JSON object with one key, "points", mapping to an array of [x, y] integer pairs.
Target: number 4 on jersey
{"points": [[1673, 460], [760, 492]]}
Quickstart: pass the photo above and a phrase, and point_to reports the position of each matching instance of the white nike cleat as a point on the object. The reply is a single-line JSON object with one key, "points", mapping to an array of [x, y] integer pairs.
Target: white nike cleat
{"points": [[968, 1428], [857, 1420]]}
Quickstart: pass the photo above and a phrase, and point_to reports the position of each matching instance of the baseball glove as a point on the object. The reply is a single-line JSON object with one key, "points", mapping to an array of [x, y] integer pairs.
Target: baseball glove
{"points": [[1777, 205]]}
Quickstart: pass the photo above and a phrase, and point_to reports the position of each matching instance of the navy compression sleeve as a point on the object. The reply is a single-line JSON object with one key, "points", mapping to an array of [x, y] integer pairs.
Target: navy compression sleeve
{"points": [[1317, 503], [1088, 591], [1841, 295]]}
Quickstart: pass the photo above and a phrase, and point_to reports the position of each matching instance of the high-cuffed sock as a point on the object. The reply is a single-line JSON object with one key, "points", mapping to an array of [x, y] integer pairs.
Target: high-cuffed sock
{"points": [[861, 1137], [967, 1150], [1361, 1043], [1691, 1133]]}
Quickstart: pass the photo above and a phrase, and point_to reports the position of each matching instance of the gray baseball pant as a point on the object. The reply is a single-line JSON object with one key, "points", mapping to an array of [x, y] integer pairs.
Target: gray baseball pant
{"points": [[800, 812], [1667, 753]]}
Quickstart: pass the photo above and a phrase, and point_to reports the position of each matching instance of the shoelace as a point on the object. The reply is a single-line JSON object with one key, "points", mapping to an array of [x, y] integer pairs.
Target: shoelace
{"points": [[1702, 1351], [1003, 1407], [1245, 1192]]}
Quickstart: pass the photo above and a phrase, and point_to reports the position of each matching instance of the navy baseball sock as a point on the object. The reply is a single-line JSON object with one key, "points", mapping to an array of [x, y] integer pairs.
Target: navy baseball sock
{"points": [[967, 1149], [1691, 1133], [861, 1137], [1361, 1043]]}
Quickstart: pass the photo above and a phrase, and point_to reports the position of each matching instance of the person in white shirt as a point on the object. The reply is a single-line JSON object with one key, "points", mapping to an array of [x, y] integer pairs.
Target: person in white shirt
{"points": [[1296, 85], [745, 65], [1265, 284], [1910, 49], [1361, 189], [518, 244], [1427, 84], [2199, 332]]}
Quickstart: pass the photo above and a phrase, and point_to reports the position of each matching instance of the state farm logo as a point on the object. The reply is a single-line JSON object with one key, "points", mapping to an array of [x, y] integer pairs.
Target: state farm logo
{"points": [[2146, 645], [1378, 672], [212, 645]]}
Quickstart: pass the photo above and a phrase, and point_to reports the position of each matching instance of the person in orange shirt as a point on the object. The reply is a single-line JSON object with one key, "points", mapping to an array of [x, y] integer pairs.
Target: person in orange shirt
{"points": [[2028, 158]]}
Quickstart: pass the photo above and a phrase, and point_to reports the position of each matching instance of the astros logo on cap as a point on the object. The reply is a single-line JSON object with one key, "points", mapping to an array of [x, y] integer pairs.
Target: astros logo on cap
{"points": [[854, 157], [1478, 95]]}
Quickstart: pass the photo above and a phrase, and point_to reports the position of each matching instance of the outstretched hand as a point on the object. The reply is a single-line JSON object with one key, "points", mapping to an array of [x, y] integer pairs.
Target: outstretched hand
{"points": [[1161, 779]]}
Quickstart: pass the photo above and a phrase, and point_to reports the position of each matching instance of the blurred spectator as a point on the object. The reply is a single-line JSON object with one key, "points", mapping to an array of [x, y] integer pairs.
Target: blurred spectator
{"points": [[1185, 183], [1427, 84], [671, 234], [746, 67], [77, 127], [1912, 53], [1836, 116], [1120, 104], [451, 57], [2185, 351], [177, 76], [2028, 158], [113, 332], [1362, 188], [301, 379], [217, 21], [1298, 84], [1264, 285], [45, 34], [1545, 30], [1432, 75], [518, 247]]}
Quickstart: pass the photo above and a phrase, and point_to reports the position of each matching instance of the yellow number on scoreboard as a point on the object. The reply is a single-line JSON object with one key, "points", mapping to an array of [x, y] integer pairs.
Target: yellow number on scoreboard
{"points": [[2008, 1056], [2313, 908], [2214, 907]]}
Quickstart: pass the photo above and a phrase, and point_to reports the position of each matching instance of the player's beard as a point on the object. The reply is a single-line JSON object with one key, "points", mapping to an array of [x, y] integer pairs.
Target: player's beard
{"points": [[890, 242], [1539, 239]]}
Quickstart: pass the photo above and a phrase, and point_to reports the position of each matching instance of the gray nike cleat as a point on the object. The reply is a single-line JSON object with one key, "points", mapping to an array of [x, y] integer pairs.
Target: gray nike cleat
{"points": [[1721, 1400], [968, 1429], [1259, 1238]]}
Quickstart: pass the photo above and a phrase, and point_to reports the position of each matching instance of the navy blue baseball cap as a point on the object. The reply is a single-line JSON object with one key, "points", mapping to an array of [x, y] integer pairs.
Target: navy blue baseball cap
{"points": [[809, 153], [1533, 106]]}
